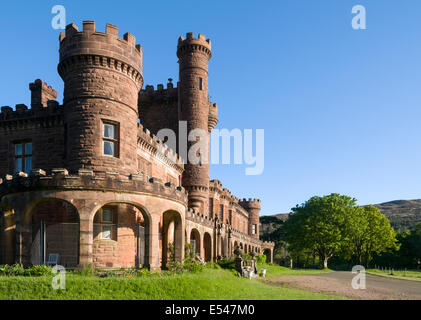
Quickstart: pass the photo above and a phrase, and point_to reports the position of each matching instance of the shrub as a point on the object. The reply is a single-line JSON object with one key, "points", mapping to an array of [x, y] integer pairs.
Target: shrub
{"points": [[227, 263], [38, 271], [175, 267], [261, 258], [247, 256], [19, 270], [14, 270], [193, 266], [143, 272]]}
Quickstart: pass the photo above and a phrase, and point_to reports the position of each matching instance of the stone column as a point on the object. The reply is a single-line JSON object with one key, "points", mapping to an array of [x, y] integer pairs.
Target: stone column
{"points": [[154, 235], [86, 238]]}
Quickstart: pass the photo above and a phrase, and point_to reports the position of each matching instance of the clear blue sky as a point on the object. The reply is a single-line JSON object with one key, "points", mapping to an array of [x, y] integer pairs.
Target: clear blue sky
{"points": [[341, 108]]}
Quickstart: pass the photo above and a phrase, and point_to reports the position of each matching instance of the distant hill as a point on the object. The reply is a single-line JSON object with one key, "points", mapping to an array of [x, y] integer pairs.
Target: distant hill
{"points": [[401, 214]]}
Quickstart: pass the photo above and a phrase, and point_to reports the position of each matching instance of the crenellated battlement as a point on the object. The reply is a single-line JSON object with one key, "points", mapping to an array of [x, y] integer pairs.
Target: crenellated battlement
{"points": [[41, 93], [59, 178], [195, 44], [161, 93], [110, 34], [43, 105], [24, 117], [153, 145], [101, 49], [200, 218], [250, 203]]}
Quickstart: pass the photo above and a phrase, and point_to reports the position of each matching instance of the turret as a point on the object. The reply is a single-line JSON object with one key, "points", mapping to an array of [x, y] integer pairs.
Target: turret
{"points": [[41, 93], [102, 76], [253, 207], [194, 55]]}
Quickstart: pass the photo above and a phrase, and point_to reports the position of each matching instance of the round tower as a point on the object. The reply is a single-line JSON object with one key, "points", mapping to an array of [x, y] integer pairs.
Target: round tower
{"points": [[253, 207], [102, 76], [194, 55]]}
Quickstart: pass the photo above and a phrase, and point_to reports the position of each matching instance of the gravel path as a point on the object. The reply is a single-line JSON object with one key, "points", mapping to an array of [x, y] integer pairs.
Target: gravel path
{"points": [[339, 284]]}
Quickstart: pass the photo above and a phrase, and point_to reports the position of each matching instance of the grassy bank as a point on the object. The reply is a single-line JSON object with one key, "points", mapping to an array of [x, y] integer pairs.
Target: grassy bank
{"points": [[278, 271], [414, 275], [212, 284]]}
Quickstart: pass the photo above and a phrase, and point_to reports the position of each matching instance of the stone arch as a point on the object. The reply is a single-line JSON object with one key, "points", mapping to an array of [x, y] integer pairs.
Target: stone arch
{"points": [[195, 240], [234, 246], [172, 237], [50, 225], [207, 246], [121, 235], [7, 234], [268, 254]]}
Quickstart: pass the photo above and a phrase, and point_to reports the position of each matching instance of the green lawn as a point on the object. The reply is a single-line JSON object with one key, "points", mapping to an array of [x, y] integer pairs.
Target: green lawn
{"points": [[278, 271], [414, 275], [210, 284]]}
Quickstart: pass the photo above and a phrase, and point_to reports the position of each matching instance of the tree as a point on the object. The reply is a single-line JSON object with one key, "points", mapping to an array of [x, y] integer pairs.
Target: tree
{"points": [[368, 232], [318, 225]]}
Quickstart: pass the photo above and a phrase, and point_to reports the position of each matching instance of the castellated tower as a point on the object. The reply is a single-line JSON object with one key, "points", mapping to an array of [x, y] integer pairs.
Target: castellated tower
{"points": [[253, 208], [194, 55], [102, 76]]}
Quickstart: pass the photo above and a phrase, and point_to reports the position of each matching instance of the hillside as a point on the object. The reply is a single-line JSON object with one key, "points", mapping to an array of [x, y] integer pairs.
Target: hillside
{"points": [[401, 214]]}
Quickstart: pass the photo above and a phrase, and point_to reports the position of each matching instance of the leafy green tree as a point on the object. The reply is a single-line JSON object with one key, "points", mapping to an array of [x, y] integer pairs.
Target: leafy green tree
{"points": [[409, 253], [368, 232], [318, 225]]}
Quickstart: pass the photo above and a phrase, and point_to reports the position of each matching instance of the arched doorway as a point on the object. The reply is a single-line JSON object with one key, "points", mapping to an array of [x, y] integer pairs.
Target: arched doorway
{"points": [[207, 246], [54, 229], [195, 242], [121, 236], [268, 254], [7, 235], [172, 238]]}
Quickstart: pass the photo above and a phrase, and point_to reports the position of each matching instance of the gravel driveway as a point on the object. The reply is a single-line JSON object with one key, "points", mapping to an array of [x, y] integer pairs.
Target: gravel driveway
{"points": [[339, 284]]}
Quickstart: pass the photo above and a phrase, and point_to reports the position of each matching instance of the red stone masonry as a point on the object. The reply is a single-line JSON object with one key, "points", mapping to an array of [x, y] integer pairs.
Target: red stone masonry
{"points": [[102, 76], [156, 195], [194, 55]]}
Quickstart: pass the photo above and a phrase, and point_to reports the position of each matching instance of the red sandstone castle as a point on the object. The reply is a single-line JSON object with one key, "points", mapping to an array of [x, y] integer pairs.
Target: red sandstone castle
{"points": [[86, 180]]}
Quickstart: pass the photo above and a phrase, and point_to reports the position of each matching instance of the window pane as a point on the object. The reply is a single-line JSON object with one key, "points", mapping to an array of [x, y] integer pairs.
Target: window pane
{"points": [[108, 131], [28, 164], [106, 232], [107, 215], [18, 149], [18, 165], [28, 148], [109, 148]]}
